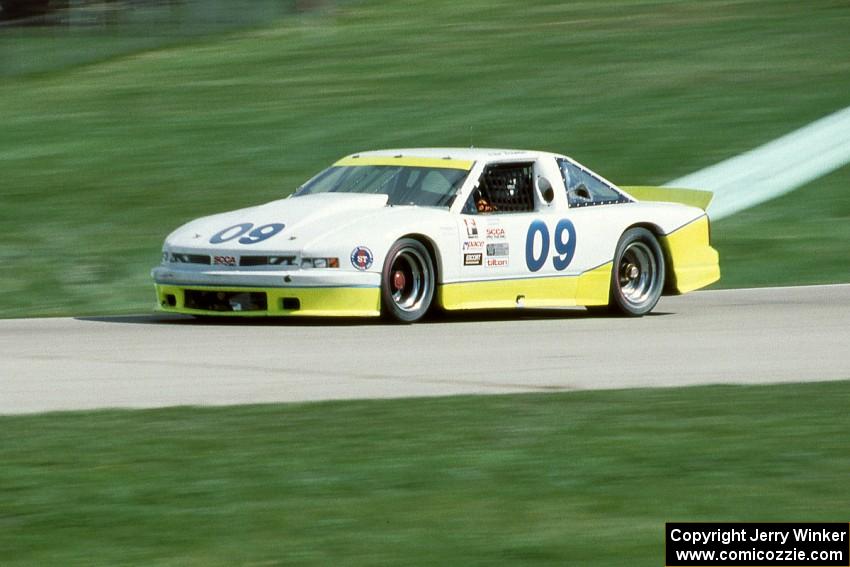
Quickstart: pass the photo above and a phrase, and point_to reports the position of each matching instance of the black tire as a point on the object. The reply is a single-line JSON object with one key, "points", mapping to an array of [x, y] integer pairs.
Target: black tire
{"points": [[407, 282], [637, 276]]}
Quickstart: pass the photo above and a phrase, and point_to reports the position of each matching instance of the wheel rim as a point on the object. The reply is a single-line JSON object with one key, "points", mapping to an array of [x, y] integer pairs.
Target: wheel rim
{"points": [[410, 280], [637, 274]]}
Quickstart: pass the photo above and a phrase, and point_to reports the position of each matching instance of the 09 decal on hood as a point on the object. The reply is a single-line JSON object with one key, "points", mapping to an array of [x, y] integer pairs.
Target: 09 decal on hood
{"points": [[252, 237]]}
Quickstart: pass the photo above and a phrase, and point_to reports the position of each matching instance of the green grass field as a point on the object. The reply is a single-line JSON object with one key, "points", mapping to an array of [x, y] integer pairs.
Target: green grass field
{"points": [[110, 138], [585, 478], [103, 154], [801, 238], [94, 31]]}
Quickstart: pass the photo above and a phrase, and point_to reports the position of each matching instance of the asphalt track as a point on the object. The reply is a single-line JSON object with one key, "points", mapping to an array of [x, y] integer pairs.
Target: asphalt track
{"points": [[732, 336]]}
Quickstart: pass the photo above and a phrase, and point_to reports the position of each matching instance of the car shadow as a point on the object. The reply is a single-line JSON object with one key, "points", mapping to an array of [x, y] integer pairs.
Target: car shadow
{"points": [[444, 318]]}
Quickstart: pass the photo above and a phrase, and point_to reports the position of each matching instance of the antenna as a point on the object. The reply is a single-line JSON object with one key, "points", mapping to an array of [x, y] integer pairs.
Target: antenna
{"points": [[470, 137]]}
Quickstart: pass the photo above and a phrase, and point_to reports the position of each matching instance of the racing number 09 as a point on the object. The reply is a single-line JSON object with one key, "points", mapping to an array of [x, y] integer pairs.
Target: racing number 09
{"points": [[564, 236], [256, 235]]}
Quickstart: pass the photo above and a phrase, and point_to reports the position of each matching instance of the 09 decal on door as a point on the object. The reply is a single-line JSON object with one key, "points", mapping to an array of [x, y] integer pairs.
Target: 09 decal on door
{"points": [[564, 237]]}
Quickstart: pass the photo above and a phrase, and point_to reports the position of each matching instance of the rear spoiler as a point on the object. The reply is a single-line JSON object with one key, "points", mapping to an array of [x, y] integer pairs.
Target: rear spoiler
{"points": [[691, 197]]}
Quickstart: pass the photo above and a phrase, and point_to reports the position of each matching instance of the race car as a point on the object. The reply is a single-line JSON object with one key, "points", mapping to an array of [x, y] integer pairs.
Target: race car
{"points": [[401, 232]]}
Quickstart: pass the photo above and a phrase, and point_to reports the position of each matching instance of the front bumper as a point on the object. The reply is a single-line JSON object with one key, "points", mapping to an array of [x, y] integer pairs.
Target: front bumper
{"points": [[246, 293]]}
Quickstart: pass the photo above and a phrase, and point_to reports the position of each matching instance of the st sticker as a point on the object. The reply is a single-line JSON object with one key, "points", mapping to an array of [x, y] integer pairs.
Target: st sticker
{"points": [[361, 258], [471, 228]]}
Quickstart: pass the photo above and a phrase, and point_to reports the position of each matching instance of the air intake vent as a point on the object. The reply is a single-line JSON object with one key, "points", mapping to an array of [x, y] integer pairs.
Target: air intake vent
{"points": [[189, 259], [267, 261], [225, 300]]}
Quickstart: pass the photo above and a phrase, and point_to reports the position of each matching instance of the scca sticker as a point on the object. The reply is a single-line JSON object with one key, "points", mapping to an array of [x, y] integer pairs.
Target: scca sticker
{"points": [[361, 258], [495, 232]]}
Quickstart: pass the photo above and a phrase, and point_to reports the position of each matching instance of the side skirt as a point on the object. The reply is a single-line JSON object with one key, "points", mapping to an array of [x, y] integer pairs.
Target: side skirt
{"points": [[588, 288]]}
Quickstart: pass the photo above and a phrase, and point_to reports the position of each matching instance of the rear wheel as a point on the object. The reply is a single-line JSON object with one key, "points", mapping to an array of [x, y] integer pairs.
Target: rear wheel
{"points": [[407, 283], [637, 277]]}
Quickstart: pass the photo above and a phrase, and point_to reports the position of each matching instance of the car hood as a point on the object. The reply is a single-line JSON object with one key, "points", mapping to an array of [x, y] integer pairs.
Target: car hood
{"points": [[304, 220]]}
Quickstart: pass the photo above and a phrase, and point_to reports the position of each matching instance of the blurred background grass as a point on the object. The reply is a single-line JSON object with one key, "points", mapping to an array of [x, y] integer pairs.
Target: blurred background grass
{"points": [[52, 35], [581, 478], [115, 132], [123, 120]]}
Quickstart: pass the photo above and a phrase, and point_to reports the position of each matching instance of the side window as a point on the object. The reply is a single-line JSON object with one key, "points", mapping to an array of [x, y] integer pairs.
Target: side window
{"points": [[585, 189], [503, 188]]}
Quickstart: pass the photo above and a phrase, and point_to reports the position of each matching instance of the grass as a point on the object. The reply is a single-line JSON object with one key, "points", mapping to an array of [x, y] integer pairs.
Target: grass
{"points": [[801, 238], [102, 157], [109, 140], [583, 478], [98, 31]]}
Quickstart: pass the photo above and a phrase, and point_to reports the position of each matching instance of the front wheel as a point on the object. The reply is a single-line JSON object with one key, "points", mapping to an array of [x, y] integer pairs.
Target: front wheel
{"points": [[637, 276], [407, 282]]}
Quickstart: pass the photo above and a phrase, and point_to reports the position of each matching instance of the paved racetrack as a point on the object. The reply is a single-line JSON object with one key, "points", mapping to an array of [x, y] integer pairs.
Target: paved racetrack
{"points": [[734, 336]]}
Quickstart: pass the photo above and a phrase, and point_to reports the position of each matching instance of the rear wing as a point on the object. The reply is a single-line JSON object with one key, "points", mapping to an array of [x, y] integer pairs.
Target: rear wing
{"points": [[691, 197]]}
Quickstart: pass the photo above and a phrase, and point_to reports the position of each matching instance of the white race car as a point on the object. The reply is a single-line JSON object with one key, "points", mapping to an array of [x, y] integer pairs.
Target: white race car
{"points": [[397, 232]]}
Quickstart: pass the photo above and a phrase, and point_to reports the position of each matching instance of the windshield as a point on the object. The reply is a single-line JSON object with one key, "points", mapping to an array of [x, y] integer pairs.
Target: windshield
{"points": [[405, 185]]}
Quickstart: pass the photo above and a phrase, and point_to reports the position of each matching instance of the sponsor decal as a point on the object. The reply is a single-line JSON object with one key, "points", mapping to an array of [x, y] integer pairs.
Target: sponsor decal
{"points": [[247, 232], [473, 245], [498, 249], [563, 239], [471, 228], [495, 232], [497, 262], [472, 259], [361, 258], [224, 260]]}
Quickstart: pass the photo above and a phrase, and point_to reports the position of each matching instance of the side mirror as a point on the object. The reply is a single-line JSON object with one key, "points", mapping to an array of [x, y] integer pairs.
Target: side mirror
{"points": [[544, 188]]}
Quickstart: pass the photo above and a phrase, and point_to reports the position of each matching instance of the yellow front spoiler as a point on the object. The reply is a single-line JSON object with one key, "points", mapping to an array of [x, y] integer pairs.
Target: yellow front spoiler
{"points": [[312, 301]]}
